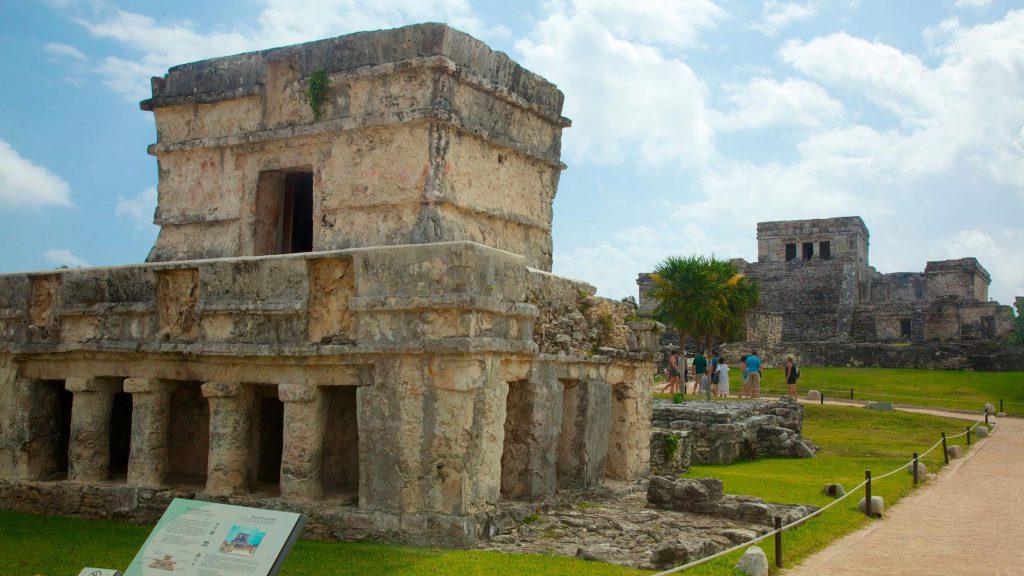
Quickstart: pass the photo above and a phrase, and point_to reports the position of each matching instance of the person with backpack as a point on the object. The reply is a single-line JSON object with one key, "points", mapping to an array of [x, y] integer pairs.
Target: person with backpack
{"points": [[792, 375]]}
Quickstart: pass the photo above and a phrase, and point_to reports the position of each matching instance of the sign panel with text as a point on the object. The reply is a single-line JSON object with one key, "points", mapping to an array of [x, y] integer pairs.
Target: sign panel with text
{"points": [[196, 538]]}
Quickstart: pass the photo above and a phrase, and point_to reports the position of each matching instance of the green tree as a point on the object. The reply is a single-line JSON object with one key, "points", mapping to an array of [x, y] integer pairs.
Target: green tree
{"points": [[703, 298]]}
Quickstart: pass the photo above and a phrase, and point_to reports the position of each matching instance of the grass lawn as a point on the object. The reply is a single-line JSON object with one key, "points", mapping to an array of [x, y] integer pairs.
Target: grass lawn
{"points": [[965, 390], [852, 440]]}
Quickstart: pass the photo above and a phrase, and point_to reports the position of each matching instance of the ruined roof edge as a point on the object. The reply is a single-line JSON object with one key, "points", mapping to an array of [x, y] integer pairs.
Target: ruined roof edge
{"points": [[242, 74]]}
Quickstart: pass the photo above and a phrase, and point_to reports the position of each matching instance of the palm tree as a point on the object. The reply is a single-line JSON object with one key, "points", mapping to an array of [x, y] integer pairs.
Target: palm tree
{"points": [[703, 297]]}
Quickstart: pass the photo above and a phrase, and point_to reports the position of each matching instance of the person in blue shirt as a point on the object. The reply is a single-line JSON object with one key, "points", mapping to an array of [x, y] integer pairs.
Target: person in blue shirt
{"points": [[754, 374]]}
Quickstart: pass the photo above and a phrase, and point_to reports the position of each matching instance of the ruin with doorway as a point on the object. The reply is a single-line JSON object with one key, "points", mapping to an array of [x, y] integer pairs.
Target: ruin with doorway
{"points": [[822, 302], [348, 312]]}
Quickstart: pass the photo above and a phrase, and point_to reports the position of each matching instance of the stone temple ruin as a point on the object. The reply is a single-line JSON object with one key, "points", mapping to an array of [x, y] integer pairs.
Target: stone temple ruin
{"points": [[822, 301], [347, 313]]}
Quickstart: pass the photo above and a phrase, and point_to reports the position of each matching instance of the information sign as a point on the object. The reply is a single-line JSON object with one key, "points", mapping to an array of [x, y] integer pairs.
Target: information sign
{"points": [[196, 538]]}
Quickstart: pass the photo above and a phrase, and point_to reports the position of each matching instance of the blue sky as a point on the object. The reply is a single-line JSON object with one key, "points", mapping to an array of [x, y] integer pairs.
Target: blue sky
{"points": [[692, 120]]}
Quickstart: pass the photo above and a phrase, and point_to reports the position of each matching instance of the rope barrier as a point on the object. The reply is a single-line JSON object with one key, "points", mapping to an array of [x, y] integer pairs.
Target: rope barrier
{"points": [[843, 395], [799, 521]]}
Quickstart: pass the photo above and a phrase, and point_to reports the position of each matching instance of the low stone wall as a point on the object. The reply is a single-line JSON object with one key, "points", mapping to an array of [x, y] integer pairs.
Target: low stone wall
{"points": [[670, 452], [721, 432], [327, 520], [705, 496]]}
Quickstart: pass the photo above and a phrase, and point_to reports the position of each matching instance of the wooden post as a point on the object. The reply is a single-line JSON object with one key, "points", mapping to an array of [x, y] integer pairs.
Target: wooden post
{"points": [[945, 452], [851, 393], [778, 542], [968, 435], [867, 493], [915, 469]]}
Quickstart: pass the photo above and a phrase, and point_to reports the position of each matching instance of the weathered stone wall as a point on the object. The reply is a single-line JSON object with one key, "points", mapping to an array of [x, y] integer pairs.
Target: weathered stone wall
{"points": [[394, 368], [426, 135], [809, 296], [965, 278], [847, 237], [721, 432]]}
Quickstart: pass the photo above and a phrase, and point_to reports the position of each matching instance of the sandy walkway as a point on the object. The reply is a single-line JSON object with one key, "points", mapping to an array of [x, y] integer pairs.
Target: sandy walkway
{"points": [[968, 521]]}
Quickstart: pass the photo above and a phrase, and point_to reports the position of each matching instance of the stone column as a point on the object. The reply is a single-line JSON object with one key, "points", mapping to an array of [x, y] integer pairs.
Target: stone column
{"points": [[89, 451], [302, 455], [151, 420], [532, 425], [35, 420], [230, 437], [629, 446], [586, 424]]}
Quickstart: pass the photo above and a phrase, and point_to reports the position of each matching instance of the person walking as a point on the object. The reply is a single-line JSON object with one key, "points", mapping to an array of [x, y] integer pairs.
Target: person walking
{"points": [[700, 371], [673, 373], [792, 374], [744, 388], [754, 374], [723, 377]]}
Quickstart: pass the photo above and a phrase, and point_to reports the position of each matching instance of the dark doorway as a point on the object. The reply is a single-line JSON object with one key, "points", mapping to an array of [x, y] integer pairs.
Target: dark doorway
{"points": [[297, 216], [283, 215], [825, 250], [341, 443], [188, 444], [808, 250], [905, 329], [120, 435], [269, 437], [515, 455], [790, 252], [64, 399]]}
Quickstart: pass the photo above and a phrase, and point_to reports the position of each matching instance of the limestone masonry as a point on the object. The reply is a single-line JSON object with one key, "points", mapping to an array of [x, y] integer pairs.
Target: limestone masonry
{"points": [[349, 315], [821, 299]]}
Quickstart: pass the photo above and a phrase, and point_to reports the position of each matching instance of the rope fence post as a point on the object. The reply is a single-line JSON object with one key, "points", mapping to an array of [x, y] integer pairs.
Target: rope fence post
{"points": [[822, 398], [1001, 405], [915, 468], [986, 417], [778, 541], [851, 393], [945, 452], [968, 435], [867, 493]]}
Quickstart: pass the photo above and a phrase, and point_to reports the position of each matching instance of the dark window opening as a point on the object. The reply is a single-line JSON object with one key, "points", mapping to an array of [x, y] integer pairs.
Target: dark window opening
{"points": [[825, 250], [808, 250], [905, 329], [64, 399], [120, 435], [49, 421], [297, 216], [790, 252], [268, 433], [341, 444]]}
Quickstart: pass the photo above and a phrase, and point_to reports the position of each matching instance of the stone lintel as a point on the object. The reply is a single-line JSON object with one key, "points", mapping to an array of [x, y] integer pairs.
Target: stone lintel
{"points": [[92, 384], [147, 385], [221, 390], [298, 392]]}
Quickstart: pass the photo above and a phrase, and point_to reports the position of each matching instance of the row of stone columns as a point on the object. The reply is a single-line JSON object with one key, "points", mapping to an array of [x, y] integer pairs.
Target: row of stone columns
{"points": [[230, 449]]}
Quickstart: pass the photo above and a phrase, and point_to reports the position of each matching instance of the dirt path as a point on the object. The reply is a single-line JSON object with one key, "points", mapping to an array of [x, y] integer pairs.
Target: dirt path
{"points": [[969, 521]]}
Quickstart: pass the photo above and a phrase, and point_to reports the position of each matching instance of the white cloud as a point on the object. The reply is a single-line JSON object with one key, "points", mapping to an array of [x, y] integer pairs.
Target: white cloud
{"points": [[631, 98], [66, 51], [1000, 252], [763, 102], [26, 185], [139, 209], [972, 3], [160, 45], [778, 15], [64, 257]]}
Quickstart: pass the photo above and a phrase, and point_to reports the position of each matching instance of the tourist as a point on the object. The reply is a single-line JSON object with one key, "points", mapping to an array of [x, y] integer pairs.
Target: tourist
{"points": [[700, 370], [744, 388], [754, 374], [792, 373], [713, 371], [722, 372], [673, 373]]}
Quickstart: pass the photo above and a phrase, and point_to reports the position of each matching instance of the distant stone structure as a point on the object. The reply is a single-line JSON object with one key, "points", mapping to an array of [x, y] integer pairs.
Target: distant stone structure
{"points": [[820, 298], [348, 314]]}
